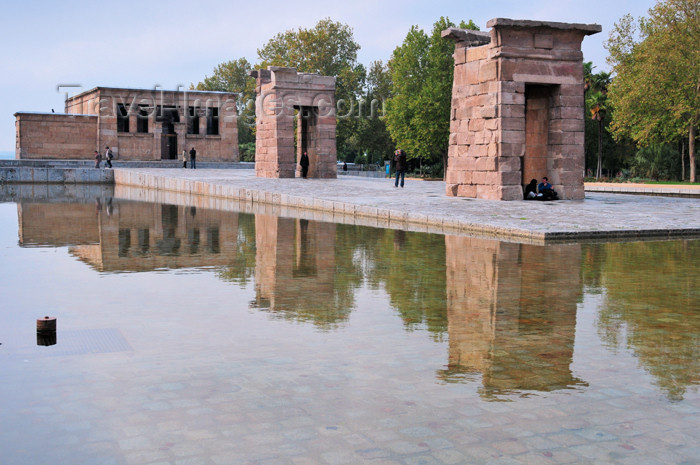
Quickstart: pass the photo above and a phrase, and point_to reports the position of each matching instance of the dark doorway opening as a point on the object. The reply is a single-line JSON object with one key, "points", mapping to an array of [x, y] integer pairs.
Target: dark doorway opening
{"points": [[170, 243], [167, 116], [304, 133], [305, 127]]}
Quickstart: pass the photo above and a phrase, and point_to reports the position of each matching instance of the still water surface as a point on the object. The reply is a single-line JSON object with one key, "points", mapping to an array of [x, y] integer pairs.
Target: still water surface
{"points": [[193, 336]]}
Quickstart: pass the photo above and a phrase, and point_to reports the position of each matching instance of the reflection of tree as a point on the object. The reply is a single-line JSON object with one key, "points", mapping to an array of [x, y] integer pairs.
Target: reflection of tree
{"points": [[652, 293], [411, 268], [243, 268]]}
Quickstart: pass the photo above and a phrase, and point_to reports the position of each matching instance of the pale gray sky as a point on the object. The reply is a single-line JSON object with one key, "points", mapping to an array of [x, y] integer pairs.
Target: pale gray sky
{"points": [[147, 43]]}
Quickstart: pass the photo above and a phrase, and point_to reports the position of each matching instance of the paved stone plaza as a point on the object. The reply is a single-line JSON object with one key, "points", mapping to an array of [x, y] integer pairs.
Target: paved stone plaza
{"points": [[422, 205]]}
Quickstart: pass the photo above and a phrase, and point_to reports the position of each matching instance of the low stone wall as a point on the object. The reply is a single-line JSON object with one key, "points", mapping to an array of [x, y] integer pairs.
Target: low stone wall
{"points": [[668, 190], [214, 195], [28, 174], [124, 164], [55, 136]]}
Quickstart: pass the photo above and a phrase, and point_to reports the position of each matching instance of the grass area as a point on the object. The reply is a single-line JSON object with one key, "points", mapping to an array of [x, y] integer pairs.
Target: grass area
{"points": [[642, 181], [674, 183]]}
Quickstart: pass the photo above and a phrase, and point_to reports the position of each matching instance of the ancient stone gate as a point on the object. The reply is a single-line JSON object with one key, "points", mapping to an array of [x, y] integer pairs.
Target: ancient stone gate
{"points": [[282, 96], [517, 109]]}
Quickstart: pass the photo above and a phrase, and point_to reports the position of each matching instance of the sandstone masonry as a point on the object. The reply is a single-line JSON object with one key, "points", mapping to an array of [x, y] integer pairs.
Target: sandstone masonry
{"points": [[137, 124], [517, 109], [284, 95]]}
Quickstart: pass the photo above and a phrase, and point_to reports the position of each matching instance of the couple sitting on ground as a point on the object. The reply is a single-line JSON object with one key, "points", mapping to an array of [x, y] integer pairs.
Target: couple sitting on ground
{"points": [[543, 191]]}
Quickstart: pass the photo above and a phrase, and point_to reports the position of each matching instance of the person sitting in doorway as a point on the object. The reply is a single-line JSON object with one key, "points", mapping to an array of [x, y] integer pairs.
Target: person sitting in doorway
{"points": [[546, 191], [531, 190]]}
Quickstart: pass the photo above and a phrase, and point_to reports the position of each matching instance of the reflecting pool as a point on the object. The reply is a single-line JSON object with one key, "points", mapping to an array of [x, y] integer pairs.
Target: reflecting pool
{"points": [[193, 336]]}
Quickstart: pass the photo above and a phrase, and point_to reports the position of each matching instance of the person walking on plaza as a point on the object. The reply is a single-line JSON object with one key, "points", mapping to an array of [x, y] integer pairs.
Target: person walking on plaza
{"points": [[98, 158], [304, 163], [108, 157], [193, 158], [184, 158], [401, 164]]}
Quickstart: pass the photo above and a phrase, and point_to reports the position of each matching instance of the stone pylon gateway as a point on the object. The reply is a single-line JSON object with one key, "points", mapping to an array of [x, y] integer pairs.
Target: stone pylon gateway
{"points": [[517, 109], [282, 96]]}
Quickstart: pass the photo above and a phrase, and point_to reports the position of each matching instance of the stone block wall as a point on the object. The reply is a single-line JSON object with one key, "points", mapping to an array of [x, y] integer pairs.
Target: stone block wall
{"points": [[134, 145], [55, 136], [517, 109]]}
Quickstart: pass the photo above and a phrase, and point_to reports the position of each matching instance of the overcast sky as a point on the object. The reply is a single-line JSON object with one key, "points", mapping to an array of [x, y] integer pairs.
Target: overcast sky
{"points": [[147, 43]]}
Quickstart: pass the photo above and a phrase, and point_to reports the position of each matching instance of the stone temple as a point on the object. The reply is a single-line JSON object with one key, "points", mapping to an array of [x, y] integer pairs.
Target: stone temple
{"points": [[137, 124], [517, 109]]}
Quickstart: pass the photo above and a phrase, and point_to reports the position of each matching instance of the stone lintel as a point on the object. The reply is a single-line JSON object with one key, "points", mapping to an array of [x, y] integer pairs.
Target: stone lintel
{"points": [[470, 37], [586, 29], [533, 54], [282, 69]]}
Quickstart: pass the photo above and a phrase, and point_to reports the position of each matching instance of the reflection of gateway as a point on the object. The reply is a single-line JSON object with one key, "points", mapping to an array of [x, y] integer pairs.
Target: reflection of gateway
{"points": [[113, 235], [295, 273], [512, 314]]}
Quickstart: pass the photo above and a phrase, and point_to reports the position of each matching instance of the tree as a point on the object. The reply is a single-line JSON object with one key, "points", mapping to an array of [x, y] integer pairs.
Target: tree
{"points": [[656, 92], [329, 48], [371, 135], [596, 90], [418, 111], [232, 76]]}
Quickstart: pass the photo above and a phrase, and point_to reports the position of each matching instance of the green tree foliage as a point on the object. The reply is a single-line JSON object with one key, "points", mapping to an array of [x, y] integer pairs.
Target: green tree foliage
{"points": [[418, 111], [656, 92], [371, 135], [232, 76], [596, 93], [650, 306], [329, 48], [657, 161]]}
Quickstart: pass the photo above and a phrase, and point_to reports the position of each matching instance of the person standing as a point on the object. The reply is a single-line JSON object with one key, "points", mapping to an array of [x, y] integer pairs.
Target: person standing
{"points": [[98, 158], [193, 159], [304, 163], [401, 165], [108, 157], [184, 158]]}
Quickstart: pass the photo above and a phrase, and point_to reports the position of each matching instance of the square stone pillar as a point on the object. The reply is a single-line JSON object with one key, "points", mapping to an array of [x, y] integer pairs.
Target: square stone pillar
{"points": [[517, 109]]}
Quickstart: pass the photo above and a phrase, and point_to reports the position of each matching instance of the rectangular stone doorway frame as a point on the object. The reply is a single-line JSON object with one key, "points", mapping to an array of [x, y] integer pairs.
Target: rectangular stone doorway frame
{"points": [[517, 109], [283, 94]]}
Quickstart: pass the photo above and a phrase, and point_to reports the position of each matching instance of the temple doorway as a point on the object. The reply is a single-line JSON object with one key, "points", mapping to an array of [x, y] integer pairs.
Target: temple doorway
{"points": [[168, 116]]}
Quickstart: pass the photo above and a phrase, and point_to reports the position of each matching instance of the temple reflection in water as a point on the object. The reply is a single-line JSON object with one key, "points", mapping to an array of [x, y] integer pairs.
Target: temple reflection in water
{"points": [[508, 310], [114, 236], [511, 312], [295, 273]]}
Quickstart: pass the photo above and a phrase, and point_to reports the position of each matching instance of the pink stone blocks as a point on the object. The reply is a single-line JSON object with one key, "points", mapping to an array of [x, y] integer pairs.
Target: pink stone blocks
{"points": [[517, 109], [283, 96]]}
